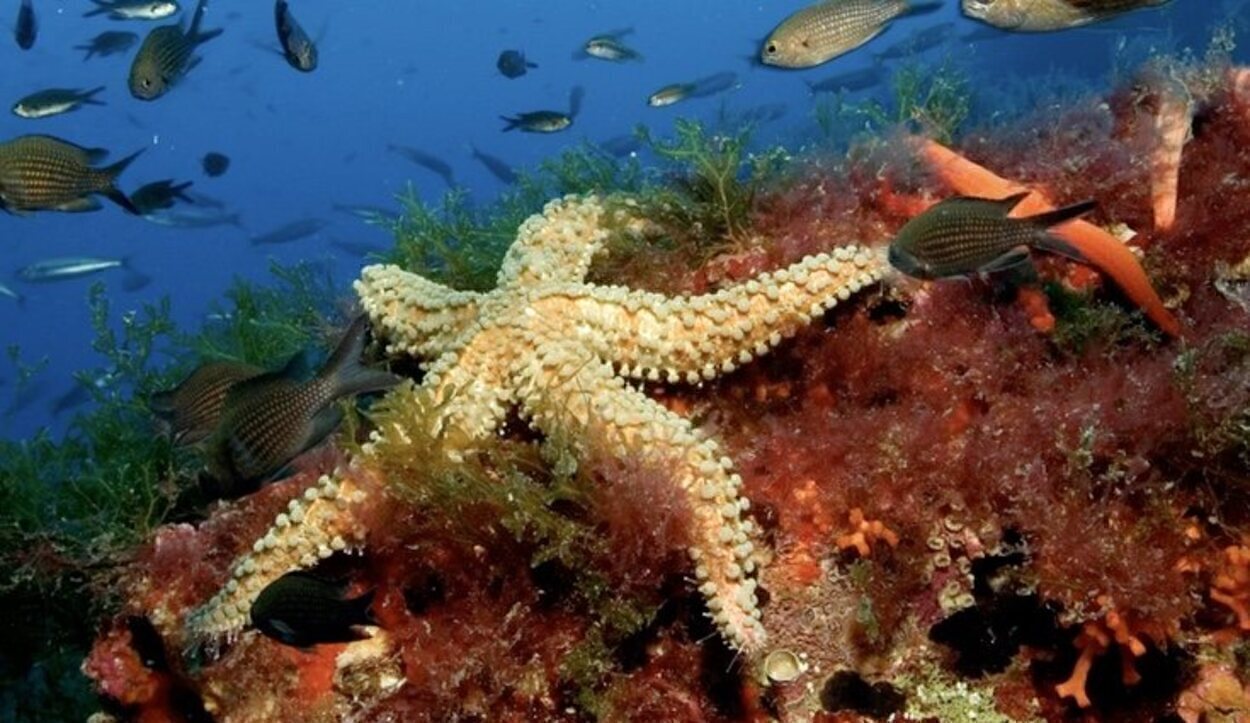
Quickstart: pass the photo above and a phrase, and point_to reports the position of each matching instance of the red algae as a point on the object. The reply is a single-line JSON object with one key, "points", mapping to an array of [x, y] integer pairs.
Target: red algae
{"points": [[925, 452]]}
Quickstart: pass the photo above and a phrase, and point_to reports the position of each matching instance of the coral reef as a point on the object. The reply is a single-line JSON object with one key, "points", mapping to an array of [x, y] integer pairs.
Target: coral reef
{"points": [[960, 508]]}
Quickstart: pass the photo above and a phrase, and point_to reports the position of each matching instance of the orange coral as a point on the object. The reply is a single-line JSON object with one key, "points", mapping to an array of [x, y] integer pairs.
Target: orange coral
{"points": [[865, 533], [1096, 637], [1231, 586], [1103, 250]]}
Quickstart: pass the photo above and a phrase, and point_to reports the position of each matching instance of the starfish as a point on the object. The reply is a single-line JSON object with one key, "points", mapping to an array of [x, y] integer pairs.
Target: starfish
{"points": [[568, 354]]}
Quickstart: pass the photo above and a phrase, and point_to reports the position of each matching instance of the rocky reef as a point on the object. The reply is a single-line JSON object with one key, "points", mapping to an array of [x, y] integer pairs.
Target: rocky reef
{"points": [[773, 480]]}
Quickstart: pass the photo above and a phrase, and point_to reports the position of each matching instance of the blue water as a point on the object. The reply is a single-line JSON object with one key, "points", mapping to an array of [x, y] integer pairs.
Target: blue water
{"points": [[420, 74]]}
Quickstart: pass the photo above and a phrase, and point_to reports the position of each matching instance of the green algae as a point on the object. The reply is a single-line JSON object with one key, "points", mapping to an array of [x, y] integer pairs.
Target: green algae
{"points": [[938, 696], [933, 99], [72, 509]]}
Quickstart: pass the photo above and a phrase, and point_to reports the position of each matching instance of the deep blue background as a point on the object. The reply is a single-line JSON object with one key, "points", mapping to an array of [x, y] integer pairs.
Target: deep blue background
{"points": [[418, 73]]}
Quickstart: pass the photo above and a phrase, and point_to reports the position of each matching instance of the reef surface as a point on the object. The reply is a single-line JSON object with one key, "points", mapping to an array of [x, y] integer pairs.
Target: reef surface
{"points": [[963, 501]]}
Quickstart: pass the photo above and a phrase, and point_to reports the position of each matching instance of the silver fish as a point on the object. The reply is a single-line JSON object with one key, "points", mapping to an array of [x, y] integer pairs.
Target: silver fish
{"points": [[134, 9], [55, 101]]}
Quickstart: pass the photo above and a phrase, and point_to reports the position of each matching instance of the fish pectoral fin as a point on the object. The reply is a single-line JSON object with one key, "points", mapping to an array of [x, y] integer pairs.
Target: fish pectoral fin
{"points": [[1011, 260], [1055, 245], [325, 422]]}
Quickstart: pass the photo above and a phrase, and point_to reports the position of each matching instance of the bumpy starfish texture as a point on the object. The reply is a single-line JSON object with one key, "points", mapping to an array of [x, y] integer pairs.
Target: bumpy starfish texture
{"points": [[563, 351]]}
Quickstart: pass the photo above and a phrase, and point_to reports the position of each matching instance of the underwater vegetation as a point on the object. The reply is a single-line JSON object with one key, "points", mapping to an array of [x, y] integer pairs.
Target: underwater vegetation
{"points": [[762, 477]]}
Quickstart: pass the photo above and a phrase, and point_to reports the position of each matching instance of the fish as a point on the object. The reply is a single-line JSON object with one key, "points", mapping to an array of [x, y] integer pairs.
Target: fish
{"points": [[159, 195], [498, 167], [1036, 16], [166, 56], [763, 113], [701, 88], [964, 235], [301, 610], [55, 101], [45, 173], [608, 46], [547, 121], [918, 42], [6, 290], [192, 218], [189, 412], [27, 27], [512, 64], [670, 94], [849, 81], [297, 47], [821, 32], [215, 164], [357, 248], [70, 267], [293, 231], [428, 161], [370, 214], [134, 9], [269, 420], [109, 42]]}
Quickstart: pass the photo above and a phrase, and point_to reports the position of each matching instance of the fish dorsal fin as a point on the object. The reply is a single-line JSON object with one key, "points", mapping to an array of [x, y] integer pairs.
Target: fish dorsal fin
{"points": [[90, 155], [983, 206]]}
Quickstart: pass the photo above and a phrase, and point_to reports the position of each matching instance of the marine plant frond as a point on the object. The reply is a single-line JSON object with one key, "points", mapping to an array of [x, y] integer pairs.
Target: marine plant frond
{"points": [[709, 189], [264, 324], [934, 99]]}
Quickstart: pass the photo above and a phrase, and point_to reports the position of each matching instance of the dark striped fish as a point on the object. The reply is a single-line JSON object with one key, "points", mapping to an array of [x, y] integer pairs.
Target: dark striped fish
{"points": [[44, 173], [962, 236], [298, 49], [190, 411], [821, 32], [269, 420], [167, 55], [1034, 16]]}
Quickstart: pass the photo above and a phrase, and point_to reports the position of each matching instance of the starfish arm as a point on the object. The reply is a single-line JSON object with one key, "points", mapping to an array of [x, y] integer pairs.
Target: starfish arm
{"points": [[558, 245], [653, 337], [417, 316], [470, 385], [322, 521], [570, 394]]}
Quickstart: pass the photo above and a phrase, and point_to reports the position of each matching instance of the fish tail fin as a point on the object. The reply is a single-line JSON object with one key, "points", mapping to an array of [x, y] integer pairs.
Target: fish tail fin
{"points": [[88, 98], [1060, 215], [100, 8], [528, 64], [193, 31], [922, 7], [179, 191], [349, 376], [512, 123], [111, 192]]}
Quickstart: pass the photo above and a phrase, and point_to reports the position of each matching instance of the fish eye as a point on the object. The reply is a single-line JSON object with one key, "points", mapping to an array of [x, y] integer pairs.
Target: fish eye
{"points": [[771, 49]]}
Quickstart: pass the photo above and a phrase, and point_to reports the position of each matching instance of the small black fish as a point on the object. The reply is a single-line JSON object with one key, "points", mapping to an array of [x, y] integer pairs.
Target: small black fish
{"points": [[301, 610], [27, 26], [297, 47], [215, 164], [190, 411], [428, 161], [167, 54], [497, 166], [269, 420], [512, 64], [109, 42], [159, 195], [962, 236]]}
